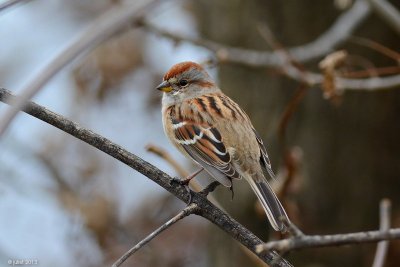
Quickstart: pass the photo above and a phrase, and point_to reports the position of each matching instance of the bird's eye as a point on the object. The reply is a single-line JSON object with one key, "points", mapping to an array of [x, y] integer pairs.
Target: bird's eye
{"points": [[183, 83]]}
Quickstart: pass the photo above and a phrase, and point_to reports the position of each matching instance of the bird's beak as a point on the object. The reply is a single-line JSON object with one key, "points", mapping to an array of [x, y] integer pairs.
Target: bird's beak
{"points": [[165, 86]]}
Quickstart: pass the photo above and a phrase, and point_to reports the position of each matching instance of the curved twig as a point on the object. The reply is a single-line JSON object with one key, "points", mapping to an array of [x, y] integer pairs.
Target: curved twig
{"points": [[10, 3], [182, 214], [387, 12], [190, 209]]}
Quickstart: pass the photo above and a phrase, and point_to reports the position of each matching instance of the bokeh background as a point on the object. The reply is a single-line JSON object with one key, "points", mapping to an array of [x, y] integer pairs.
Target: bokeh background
{"points": [[63, 203]]}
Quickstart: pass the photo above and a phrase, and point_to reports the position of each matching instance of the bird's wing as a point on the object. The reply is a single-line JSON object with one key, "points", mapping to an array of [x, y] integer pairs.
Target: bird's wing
{"points": [[265, 162], [204, 144]]}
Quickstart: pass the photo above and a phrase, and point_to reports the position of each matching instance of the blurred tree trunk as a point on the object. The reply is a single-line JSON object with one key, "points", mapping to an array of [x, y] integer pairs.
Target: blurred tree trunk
{"points": [[351, 150]]}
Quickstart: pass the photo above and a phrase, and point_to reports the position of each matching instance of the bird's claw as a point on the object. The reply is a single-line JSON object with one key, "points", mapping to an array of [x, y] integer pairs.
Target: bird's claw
{"points": [[184, 183], [179, 181]]}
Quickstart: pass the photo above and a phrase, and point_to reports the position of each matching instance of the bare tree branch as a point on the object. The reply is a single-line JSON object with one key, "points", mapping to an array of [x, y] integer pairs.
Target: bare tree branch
{"points": [[189, 210], [205, 208], [387, 12], [369, 84], [182, 214], [301, 241], [311, 241], [171, 161], [342, 84], [384, 50], [9, 3], [325, 43], [338, 33], [101, 29], [382, 248]]}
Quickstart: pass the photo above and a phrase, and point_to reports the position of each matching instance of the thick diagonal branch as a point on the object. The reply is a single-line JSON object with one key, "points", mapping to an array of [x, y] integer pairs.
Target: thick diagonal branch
{"points": [[205, 208]]}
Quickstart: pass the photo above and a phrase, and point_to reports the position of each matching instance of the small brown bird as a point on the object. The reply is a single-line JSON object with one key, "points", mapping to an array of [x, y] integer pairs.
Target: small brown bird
{"points": [[210, 128]]}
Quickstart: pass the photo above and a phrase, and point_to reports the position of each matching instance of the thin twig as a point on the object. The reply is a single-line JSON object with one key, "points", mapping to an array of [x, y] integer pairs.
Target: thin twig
{"points": [[292, 228], [311, 241], [206, 209], [290, 109], [388, 12], [368, 84], [180, 170], [157, 150], [182, 214], [384, 50], [100, 30], [10, 3], [289, 63], [384, 219], [367, 72]]}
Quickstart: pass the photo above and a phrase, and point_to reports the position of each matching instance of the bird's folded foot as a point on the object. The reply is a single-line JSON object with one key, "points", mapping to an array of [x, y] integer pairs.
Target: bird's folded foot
{"points": [[178, 180], [185, 182]]}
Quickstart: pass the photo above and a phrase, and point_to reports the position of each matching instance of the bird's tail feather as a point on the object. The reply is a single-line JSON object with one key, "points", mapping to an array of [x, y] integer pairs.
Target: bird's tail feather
{"points": [[273, 208]]}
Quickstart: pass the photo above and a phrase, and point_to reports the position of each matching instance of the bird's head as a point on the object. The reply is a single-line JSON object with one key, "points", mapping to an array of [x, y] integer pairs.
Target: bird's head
{"points": [[186, 80]]}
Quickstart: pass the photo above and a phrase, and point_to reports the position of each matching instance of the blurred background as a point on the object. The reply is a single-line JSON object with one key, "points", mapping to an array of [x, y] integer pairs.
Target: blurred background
{"points": [[64, 203]]}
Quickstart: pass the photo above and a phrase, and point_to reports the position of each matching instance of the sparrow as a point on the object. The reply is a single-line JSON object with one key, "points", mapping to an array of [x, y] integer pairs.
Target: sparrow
{"points": [[212, 130]]}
